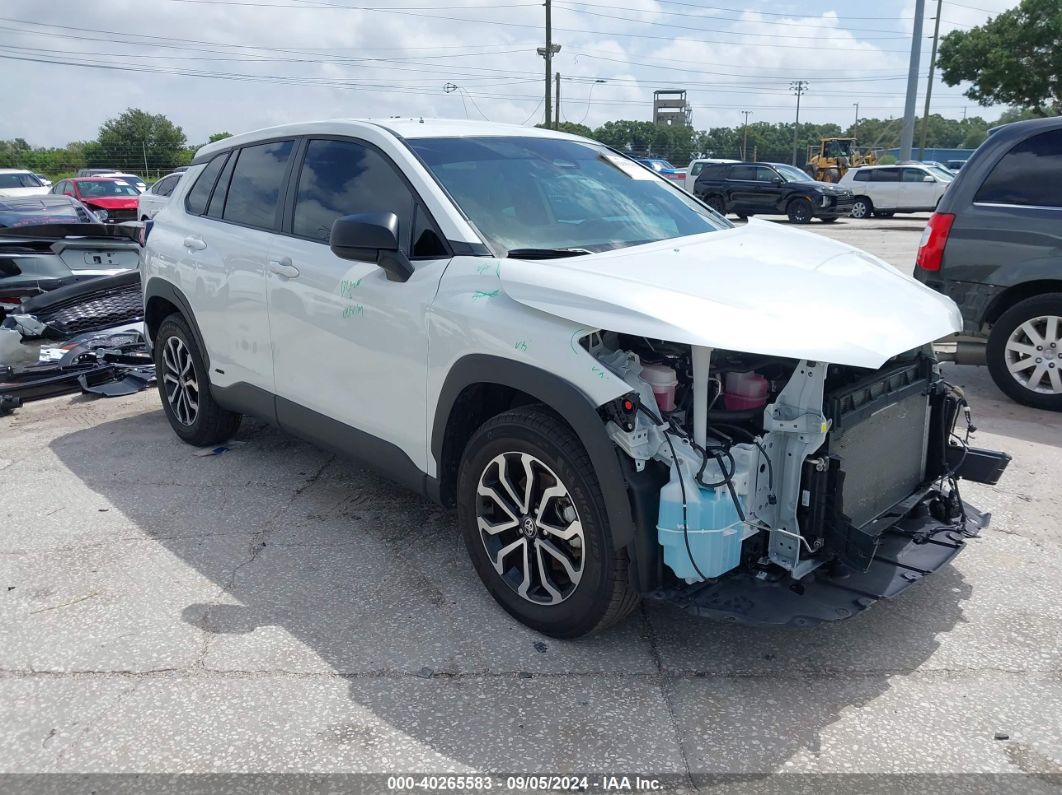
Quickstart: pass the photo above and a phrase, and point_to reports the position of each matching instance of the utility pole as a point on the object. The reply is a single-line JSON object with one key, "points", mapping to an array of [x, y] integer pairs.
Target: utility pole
{"points": [[798, 87], [556, 115], [548, 52], [745, 134], [929, 83], [907, 133], [855, 127], [143, 148]]}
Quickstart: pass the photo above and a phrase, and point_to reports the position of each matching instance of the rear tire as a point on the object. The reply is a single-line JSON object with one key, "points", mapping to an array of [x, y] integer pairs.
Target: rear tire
{"points": [[800, 211], [862, 207], [1024, 350], [829, 219], [185, 388], [543, 550]]}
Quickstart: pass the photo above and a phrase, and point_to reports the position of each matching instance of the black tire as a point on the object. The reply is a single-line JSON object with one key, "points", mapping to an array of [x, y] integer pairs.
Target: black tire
{"points": [[1010, 322], [829, 219], [800, 211], [602, 595], [884, 214], [862, 207], [211, 424], [715, 201]]}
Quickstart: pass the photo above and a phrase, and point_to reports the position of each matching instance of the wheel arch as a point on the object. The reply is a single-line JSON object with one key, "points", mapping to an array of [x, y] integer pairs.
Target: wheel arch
{"points": [[1016, 294], [480, 386], [163, 298]]}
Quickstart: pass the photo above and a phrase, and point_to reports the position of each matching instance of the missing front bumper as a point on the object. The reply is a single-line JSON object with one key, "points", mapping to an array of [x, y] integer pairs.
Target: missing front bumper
{"points": [[913, 548]]}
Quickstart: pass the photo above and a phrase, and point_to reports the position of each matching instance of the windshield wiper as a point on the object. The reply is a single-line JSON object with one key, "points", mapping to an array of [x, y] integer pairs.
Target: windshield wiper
{"points": [[545, 253]]}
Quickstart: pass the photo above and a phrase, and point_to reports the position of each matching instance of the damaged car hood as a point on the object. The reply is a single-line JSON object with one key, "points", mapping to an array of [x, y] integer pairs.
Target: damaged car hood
{"points": [[759, 288]]}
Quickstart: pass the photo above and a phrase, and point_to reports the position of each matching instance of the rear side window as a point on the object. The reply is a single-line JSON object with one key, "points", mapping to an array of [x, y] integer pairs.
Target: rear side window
{"points": [[1030, 174], [695, 169], [254, 191], [712, 171], [200, 193], [742, 172], [217, 202], [345, 177], [165, 186], [862, 176], [885, 175]]}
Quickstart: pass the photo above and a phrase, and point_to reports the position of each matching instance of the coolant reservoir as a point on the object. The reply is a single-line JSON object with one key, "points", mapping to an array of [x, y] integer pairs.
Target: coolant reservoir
{"points": [[714, 529], [745, 391], [663, 380]]}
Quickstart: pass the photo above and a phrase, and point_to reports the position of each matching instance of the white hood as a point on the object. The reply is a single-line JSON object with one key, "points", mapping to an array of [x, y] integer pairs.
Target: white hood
{"points": [[760, 288]]}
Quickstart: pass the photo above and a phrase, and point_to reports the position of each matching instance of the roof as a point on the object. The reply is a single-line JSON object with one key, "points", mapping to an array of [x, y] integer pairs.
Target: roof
{"points": [[43, 199], [100, 178], [404, 128], [15, 171]]}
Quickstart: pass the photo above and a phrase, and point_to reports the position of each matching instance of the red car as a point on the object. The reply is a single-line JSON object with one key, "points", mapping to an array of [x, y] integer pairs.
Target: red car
{"points": [[110, 198]]}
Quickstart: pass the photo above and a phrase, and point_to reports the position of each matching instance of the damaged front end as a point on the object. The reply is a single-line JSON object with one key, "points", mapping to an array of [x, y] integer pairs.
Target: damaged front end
{"points": [[781, 491]]}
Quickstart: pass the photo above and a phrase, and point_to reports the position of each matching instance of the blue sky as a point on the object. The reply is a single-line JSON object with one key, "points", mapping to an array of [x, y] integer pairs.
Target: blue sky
{"points": [[237, 65]]}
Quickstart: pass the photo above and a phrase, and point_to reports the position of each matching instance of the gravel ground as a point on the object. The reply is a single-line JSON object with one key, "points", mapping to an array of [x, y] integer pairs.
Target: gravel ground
{"points": [[277, 609]]}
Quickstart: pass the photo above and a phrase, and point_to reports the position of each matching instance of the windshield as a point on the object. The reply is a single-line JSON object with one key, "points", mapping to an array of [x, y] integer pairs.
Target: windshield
{"points": [[941, 174], [792, 173], [548, 193], [107, 187]]}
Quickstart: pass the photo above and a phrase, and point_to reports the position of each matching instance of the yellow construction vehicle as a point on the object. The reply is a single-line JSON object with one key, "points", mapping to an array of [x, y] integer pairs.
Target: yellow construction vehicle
{"points": [[834, 157]]}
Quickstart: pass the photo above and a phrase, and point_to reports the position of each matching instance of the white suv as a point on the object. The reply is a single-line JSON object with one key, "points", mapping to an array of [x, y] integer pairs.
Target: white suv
{"points": [[886, 190], [150, 201], [622, 394]]}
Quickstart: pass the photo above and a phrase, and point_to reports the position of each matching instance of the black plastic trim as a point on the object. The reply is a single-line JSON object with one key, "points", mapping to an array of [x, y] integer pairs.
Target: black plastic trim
{"points": [[245, 398], [157, 287], [563, 398]]}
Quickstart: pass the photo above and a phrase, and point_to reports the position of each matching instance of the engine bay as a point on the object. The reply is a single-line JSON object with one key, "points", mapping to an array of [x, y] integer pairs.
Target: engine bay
{"points": [[776, 467]]}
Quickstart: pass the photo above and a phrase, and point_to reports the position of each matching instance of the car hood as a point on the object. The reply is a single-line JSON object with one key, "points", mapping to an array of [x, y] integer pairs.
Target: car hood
{"points": [[759, 288], [112, 202]]}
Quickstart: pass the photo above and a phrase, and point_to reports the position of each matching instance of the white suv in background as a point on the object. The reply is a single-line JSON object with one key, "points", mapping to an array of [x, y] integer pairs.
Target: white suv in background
{"points": [[150, 201], [622, 394], [19, 182], [885, 190], [697, 166]]}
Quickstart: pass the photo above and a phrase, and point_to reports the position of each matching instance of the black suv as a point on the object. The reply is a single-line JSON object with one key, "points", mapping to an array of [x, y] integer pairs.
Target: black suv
{"points": [[995, 247], [771, 188]]}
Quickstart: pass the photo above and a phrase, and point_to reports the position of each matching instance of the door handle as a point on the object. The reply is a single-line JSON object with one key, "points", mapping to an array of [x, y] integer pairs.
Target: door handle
{"points": [[283, 267], [194, 243]]}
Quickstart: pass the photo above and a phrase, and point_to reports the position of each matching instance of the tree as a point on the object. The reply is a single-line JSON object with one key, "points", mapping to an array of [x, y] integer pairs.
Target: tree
{"points": [[137, 139], [569, 127], [219, 136], [1013, 59]]}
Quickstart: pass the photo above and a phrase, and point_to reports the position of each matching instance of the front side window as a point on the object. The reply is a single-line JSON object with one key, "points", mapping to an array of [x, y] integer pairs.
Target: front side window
{"points": [[1029, 174], [254, 190], [793, 174], [546, 193], [30, 181], [343, 178], [914, 175]]}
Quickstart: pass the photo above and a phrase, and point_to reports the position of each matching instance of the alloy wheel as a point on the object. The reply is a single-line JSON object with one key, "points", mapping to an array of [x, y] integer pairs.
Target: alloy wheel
{"points": [[860, 209], [530, 528], [1034, 354], [179, 380]]}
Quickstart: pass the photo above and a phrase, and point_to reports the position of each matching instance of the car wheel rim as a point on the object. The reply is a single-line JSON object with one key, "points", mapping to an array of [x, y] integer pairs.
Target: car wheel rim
{"points": [[859, 210], [1033, 354], [800, 213], [179, 381], [530, 528]]}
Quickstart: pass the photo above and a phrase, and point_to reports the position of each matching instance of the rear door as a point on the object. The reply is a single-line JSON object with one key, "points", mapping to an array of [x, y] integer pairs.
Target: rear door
{"points": [[349, 344], [884, 188], [749, 185]]}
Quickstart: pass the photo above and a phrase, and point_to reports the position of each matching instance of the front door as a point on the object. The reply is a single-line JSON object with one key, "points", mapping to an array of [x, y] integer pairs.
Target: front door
{"points": [[348, 344]]}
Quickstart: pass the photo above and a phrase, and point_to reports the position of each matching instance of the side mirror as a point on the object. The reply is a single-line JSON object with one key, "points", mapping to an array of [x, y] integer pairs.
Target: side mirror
{"points": [[778, 181], [928, 178], [371, 237]]}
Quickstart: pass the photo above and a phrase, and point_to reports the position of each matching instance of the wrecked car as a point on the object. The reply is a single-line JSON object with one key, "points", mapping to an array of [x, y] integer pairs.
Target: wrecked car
{"points": [[623, 395]]}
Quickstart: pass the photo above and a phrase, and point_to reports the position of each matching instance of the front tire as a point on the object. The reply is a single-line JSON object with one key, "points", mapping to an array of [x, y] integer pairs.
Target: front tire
{"points": [[862, 207], [800, 211], [1024, 350], [185, 389], [534, 522], [716, 203]]}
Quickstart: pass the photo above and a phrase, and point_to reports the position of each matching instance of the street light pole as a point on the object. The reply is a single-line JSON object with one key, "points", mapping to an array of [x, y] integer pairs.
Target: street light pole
{"points": [[556, 116], [798, 87], [929, 84], [907, 134], [745, 134], [855, 127]]}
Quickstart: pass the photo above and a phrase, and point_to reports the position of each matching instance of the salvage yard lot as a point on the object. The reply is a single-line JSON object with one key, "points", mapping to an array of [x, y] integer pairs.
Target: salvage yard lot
{"points": [[276, 608]]}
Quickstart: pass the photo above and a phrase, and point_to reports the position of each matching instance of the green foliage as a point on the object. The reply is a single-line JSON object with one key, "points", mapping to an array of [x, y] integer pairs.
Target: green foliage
{"points": [[219, 136], [887, 160], [1014, 59], [137, 140], [645, 139], [569, 127]]}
